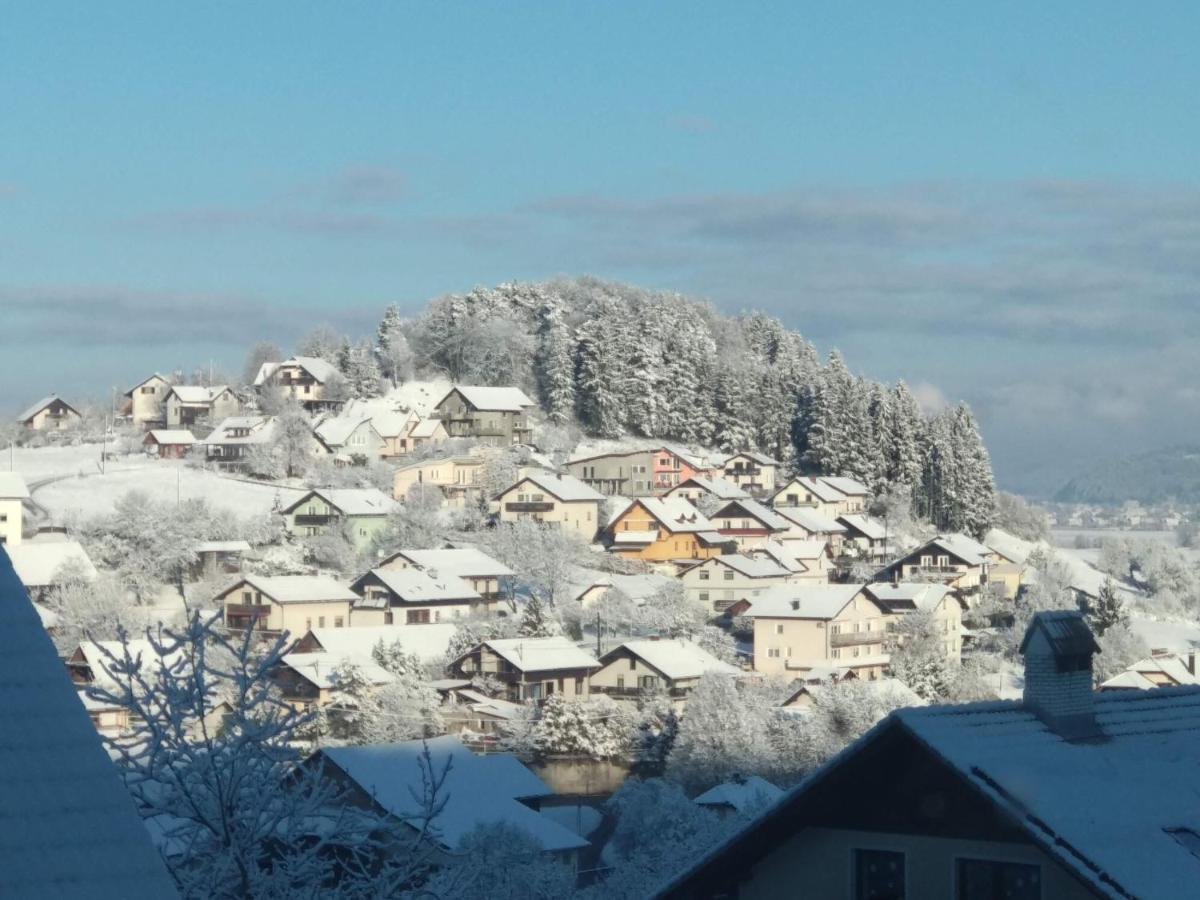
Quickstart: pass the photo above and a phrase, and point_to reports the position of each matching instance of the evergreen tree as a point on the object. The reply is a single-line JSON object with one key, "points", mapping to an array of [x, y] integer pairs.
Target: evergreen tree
{"points": [[555, 365], [1108, 610], [535, 622]]}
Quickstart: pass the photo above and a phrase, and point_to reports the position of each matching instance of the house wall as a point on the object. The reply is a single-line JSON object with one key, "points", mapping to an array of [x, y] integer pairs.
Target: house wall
{"points": [[12, 516], [296, 618], [626, 474], [860, 625], [295, 382], [627, 675], [667, 545], [146, 402], [818, 864], [572, 684], [365, 441], [55, 416], [497, 427], [578, 517], [753, 477], [225, 405], [724, 586], [444, 473]]}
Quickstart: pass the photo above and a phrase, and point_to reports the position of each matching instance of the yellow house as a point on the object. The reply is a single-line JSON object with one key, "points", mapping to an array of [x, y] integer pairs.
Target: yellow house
{"points": [[146, 402], [13, 494], [553, 498], [291, 603], [660, 529], [456, 477], [50, 414], [800, 627], [363, 511]]}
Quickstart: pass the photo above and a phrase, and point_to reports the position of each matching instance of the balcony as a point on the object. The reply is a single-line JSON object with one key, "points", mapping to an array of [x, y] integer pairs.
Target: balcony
{"points": [[935, 571], [311, 519], [855, 638], [634, 692], [529, 507], [254, 612], [744, 472]]}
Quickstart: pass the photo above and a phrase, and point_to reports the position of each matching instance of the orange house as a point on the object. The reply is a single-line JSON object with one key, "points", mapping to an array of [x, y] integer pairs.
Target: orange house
{"points": [[657, 529]]}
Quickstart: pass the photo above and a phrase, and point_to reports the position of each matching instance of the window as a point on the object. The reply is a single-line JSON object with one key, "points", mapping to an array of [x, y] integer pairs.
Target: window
{"points": [[632, 664], [417, 617], [147, 390], [648, 682], [338, 622], [704, 596], [878, 875], [578, 686], [990, 879], [729, 574], [779, 628], [320, 621], [704, 574], [308, 624], [835, 653], [773, 653], [620, 682]]}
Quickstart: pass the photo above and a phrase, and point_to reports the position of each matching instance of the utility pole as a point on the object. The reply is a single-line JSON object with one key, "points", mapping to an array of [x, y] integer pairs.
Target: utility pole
{"points": [[599, 651]]}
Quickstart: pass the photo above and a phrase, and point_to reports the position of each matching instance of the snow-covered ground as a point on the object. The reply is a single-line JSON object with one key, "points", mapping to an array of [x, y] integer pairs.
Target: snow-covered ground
{"points": [[1173, 636], [164, 481], [37, 463]]}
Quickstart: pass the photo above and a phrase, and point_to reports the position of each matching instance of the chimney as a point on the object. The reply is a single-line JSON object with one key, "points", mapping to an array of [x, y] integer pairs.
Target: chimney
{"points": [[1058, 648]]}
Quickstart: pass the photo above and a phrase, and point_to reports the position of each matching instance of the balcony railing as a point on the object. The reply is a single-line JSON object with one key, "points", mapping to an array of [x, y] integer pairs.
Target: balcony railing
{"points": [[935, 570], [635, 691], [257, 612], [311, 519], [517, 507], [854, 638]]}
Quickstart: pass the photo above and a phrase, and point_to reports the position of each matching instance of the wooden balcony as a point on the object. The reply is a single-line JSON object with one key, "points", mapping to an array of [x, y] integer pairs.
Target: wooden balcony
{"points": [[855, 638], [306, 519], [529, 507]]}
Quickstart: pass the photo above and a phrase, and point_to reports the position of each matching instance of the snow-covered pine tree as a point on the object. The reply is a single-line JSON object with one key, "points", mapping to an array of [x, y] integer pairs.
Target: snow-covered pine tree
{"points": [[976, 486], [555, 364], [902, 441]]}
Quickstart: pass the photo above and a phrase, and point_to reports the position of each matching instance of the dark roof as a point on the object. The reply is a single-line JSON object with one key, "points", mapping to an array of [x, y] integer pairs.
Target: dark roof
{"points": [[1066, 631]]}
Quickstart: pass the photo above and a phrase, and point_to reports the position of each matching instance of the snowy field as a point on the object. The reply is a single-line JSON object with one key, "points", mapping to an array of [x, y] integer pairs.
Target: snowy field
{"points": [[1172, 636], [46, 462], [164, 481], [1066, 537]]}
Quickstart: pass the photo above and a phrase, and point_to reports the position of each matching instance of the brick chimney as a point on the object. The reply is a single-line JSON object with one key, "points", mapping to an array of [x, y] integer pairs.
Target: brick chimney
{"points": [[1058, 648]]}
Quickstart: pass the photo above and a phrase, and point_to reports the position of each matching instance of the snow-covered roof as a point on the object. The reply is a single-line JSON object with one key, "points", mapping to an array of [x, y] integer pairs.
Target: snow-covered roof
{"points": [[781, 553], [317, 668], [492, 399], [751, 566], [222, 547], [144, 381], [425, 428], [13, 487], [676, 659], [478, 790], [37, 562], [388, 423], [965, 548], [351, 501], [1170, 667], [464, 562], [675, 514], [336, 430], [873, 529], [757, 510], [298, 588], [811, 520], [69, 827], [195, 393], [1128, 680], [803, 601], [721, 488], [754, 456], [419, 586], [99, 655], [908, 594], [566, 488], [172, 436], [42, 404], [319, 369], [542, 654], [848, 486], [814, 485], [429, 642], [261, 429], [750, 793], [695, 460], [1009, 545]]}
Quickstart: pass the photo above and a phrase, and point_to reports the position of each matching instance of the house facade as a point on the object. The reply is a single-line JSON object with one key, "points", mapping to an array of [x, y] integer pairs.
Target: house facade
{"points": [[187, 404], [13, 494], [828, 495], [753, 472], [494, 415], [749, 523], [673, 667], [50, 414], [168, 444], [487, 576], [658, 530], [456, 478], [953, 559], [362, 512], [291, 603], [531, 668], [145, 402], [554, 499], [304, 379], [351, 437], [722, 581], [412, 597]]}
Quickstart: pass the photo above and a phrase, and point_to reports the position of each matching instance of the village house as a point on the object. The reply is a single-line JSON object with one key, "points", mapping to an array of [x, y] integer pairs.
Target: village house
{"points": [[236, 437], [44, 561], [309, 679], [673, 667], [189, 404], [865, 536], [552, 498], [456, 479], [50, 414], [291, 603], [806, 524], [721, 581], [215, 558], [144, 405], [478, 790], [717, 491], [494, 415], [488, 577], [657, 530], [13, 494], [70, 828], [749, 523], [752, 471], [1160, 669], [1065, 795], [351, 438], [798, 627], [166, 443], [405, 432], [531, 668], [808, 561], [472, 714], [643, 472], [426, 642], [362, 512], [745, 796], [952, 559], [589, 586], [412, 597], [828, 495], [817, 681], [305, 379]]}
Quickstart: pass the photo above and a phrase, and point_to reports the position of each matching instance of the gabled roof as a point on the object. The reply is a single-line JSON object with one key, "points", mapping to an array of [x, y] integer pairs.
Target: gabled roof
{"points": [[805, 601], [492, 399], [336, 430], [872, 529], [848, 486], [749, 793], [37, 562], [908, 595], [479, 790], [418, 586], [1169, 666], [674, 514], [566, 488], [810, 520], [694, 460], [13, 487], [145, 381], [751, 567], [319, 369], [42, 404], [675, 659], [965, 548], [195, 393], [426, 428], [69, 827], [318, 668], [389, 424], [261, 429], [542, 654], [756, 510], [428, 641], [815, 486], [297, 588], [465, 562], [171, 436], [351, 501], [721, 488]]}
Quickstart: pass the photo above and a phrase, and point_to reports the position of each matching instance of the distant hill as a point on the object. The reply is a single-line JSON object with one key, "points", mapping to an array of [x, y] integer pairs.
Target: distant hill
{"points": [[1153, 477]]}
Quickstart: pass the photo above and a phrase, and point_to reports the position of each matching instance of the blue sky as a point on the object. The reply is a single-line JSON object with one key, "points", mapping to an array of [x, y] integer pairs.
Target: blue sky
{"points": [[998, 200]]}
